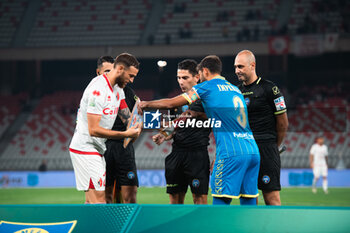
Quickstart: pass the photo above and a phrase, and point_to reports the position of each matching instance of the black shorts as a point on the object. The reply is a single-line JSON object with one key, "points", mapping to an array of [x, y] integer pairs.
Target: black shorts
{"points": [[270, 167], [120, 164], [183, 168]]}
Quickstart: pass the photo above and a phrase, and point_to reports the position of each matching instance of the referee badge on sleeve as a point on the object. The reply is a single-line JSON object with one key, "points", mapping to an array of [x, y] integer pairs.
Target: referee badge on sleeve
{"points": [[279, 103]]}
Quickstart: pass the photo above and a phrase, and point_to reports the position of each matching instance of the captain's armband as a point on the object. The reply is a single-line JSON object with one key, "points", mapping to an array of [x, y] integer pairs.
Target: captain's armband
{"points": [[191, 96]]}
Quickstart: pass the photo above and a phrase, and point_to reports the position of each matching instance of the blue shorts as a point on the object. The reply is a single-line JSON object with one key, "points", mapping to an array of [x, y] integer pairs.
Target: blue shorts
{"points": [[236, 176]]}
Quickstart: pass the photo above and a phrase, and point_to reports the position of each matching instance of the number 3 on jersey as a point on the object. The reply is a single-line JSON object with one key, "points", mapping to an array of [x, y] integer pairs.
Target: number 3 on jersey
{"points": [[242, 117]]}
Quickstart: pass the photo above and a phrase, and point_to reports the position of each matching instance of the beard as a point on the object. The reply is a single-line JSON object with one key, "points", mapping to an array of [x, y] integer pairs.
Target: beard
{"points": [[121, 80]]}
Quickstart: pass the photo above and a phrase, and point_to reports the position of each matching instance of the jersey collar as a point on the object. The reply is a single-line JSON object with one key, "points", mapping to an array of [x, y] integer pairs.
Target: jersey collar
{"points": [[109, 85], [253, 83], [219, 77]]}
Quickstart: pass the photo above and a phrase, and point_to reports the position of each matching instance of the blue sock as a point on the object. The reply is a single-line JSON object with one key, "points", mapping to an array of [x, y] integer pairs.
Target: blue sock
{"points": [[247, 201], [221, 201]]}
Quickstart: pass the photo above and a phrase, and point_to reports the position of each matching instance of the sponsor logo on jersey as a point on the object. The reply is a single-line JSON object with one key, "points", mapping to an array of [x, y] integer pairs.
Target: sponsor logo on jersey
{"points": [[248, 93], [110, 111], [266, 179], [151, 119], [131, 175], [279, 103], [96, 93], [243, 135], [17, 227], [195, 183]]}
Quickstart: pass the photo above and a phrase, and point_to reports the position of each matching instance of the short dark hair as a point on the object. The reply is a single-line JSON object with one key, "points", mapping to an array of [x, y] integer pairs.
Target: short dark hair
{"points": [[212, 63], [103, 59], [188, 64], [127, 60]]}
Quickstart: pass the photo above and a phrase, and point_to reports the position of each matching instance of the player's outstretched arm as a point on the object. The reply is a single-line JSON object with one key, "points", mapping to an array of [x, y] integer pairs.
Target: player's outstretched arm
{"points": [[95, 130], [281, 127], [164, 103]]}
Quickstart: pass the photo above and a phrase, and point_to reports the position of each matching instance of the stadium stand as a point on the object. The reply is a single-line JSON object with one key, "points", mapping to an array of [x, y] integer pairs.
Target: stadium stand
{"points": [[317, 16], [45, 135], [11, 13], [10, 108], [62, 23], [196, 21], [81, 23]]}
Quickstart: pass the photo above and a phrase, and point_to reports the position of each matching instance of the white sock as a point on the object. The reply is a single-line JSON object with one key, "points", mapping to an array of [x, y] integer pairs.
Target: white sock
{"points": [[314, 183], [325, 185]]}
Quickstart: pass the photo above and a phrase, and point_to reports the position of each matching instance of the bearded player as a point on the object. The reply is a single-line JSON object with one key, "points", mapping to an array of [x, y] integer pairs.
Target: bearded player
{"points": [[102, 101]]}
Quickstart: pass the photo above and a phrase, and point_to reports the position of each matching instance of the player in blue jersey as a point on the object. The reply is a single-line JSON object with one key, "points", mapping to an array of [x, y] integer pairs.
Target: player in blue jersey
{"points": [[237, 160]]}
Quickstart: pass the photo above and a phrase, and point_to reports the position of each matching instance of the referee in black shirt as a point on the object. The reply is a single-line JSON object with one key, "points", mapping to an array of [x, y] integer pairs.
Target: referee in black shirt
{"points": [[267, 115], [188, 163]]}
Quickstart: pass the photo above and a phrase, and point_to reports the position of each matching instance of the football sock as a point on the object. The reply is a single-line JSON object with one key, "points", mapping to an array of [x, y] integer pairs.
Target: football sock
{"points": [[314, 183], [325, 185], [221, 201], [247, 201]]}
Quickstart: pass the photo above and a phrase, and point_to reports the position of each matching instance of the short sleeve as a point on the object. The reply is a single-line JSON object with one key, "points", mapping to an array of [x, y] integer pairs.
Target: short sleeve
{"points": [[312, 150], [95, 101], [275, 98], [121, 97]]}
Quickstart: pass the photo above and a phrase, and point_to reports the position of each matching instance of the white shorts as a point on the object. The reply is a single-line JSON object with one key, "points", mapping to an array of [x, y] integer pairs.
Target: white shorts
{"points": [[86, 167], [320, 171]]}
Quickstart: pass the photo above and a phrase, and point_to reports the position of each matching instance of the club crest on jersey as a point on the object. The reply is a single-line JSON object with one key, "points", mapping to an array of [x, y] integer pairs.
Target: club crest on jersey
{"points": [[37, 227], [131, 175], [279, 103], [266, 179], [109, 98], [247, 101], [184, 108], [96, 93], [117, 96]]}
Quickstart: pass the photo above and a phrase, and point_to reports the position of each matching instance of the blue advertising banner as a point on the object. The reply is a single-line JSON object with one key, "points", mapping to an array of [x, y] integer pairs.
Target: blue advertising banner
{"points": [[156, 178]]}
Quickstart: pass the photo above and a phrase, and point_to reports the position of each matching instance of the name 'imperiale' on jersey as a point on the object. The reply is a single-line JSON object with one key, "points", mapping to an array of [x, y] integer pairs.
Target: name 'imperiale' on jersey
{"points": [[227, 88]]}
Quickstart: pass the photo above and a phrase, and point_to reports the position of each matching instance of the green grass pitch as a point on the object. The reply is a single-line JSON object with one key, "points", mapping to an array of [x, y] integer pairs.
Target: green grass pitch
{"points": [[289, 196]]}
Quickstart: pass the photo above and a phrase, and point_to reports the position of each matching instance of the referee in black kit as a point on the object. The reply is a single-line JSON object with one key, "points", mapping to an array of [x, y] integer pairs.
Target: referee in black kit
{"points": [[267, 115], [188, 163], [121, 175]]}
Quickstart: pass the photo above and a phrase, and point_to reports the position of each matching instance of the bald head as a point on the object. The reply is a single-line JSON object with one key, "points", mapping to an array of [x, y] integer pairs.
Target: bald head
{"points": [[245, 67], [247, 54]]}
